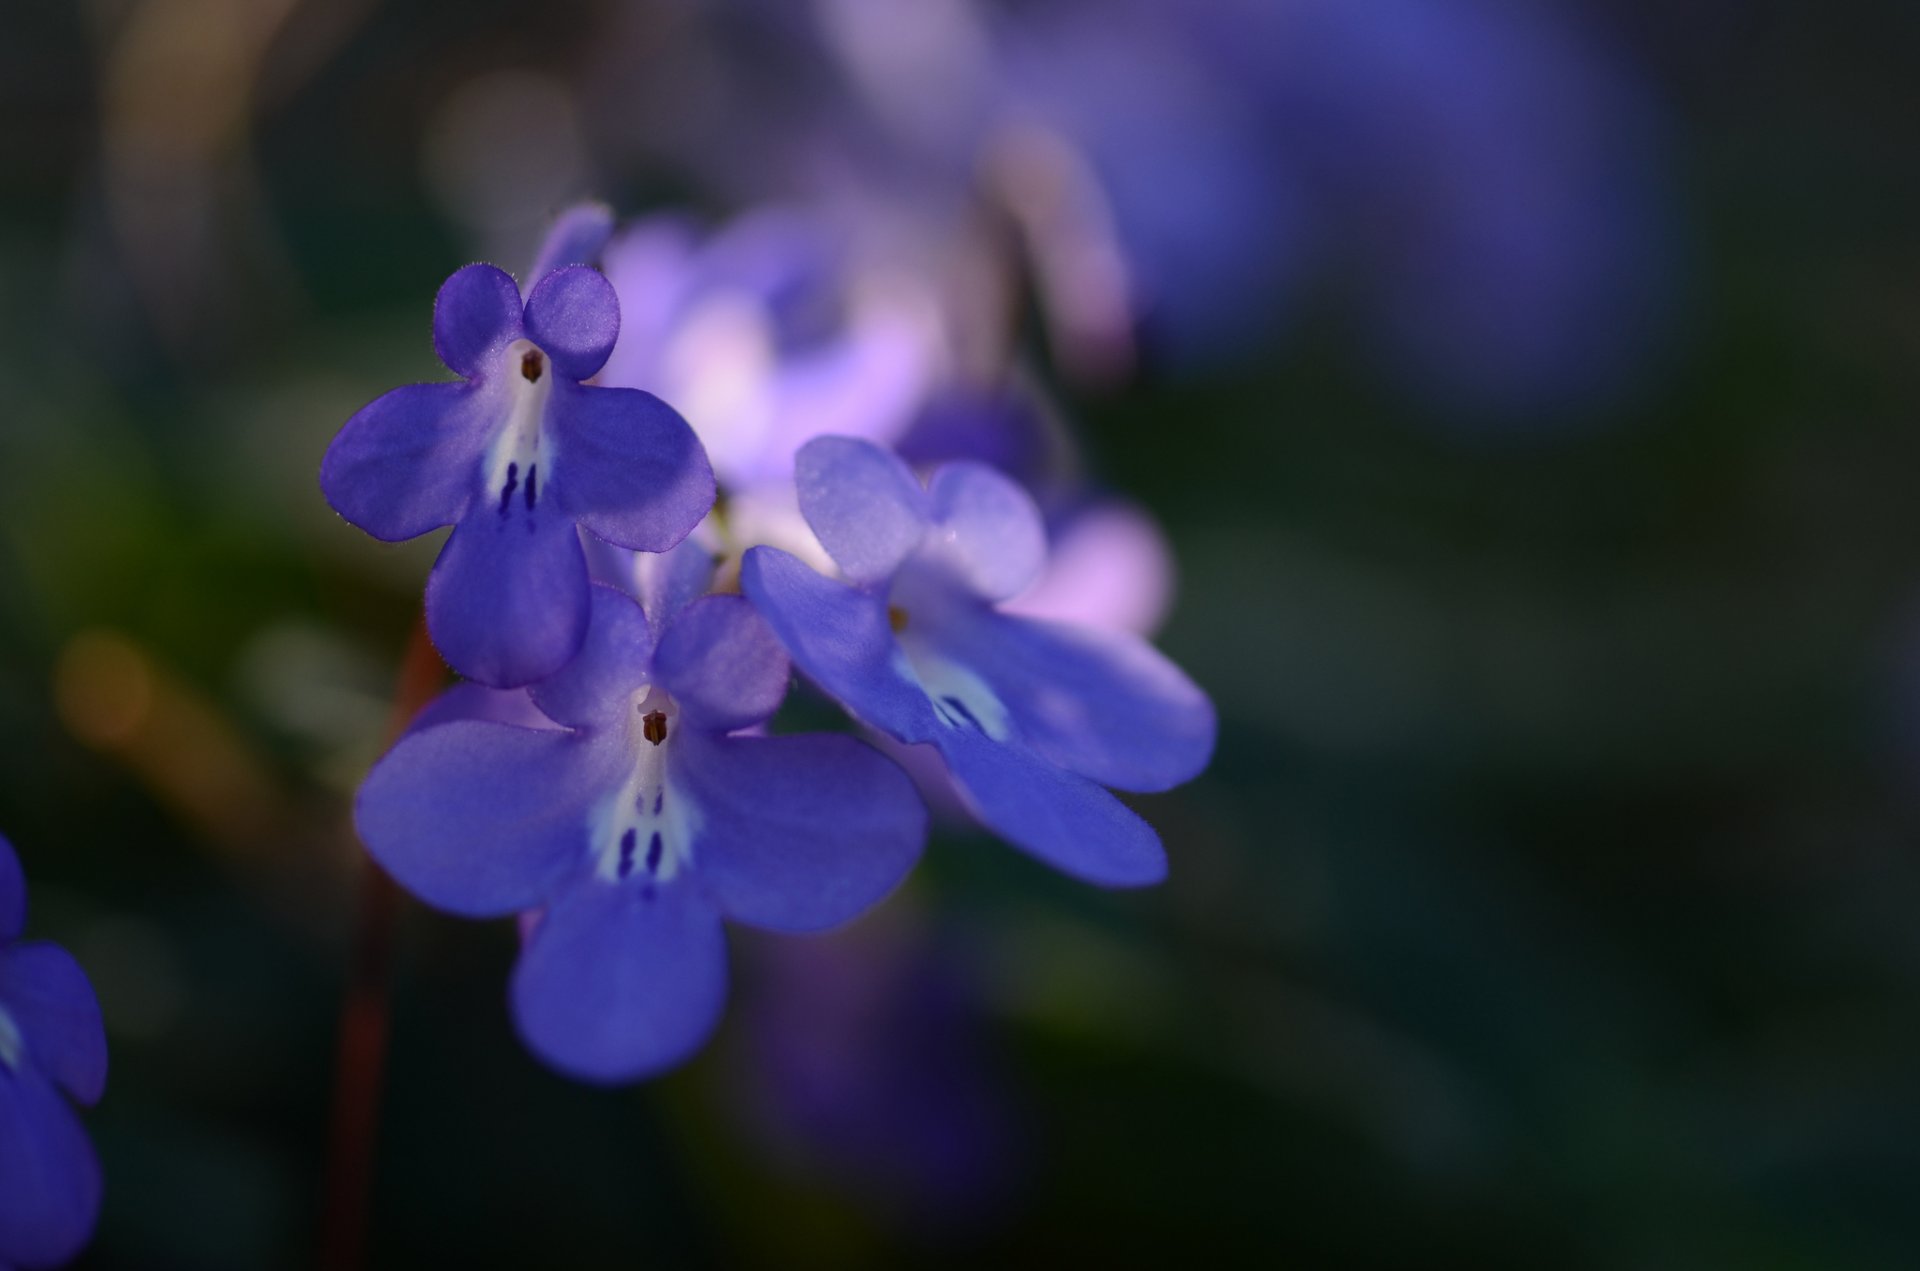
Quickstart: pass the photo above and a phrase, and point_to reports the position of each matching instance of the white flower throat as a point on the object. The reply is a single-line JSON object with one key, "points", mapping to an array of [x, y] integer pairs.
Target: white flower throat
{"points": [[514, 459], [644, 832]]}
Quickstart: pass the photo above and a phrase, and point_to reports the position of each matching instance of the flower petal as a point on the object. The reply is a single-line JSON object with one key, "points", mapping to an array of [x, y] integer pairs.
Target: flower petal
{"points": [[13, 893], [476, 314], [1104, 704], [627, 466], [406, 462], [51, 1000], [592, 690], [841, 638], [575, 238], [987, 530], [507, 601], [798, 833], [484, 819], [574, 315], [49, 1176], [621, 981], [1109, 566], [468, 700], [722, 664], [1059, 818], [863, 503]]}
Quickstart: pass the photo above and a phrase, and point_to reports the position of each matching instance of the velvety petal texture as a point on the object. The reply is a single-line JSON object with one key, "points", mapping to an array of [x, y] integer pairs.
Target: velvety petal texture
{"points": [[722, 664], [507, 602], [483, 819], [986, 530], [51, 1001], [841, 638], [49, 1176], [621, 982], [408, 461], [475, 316], [574, 315], [627, 466], [831, 826], [863, 503]]}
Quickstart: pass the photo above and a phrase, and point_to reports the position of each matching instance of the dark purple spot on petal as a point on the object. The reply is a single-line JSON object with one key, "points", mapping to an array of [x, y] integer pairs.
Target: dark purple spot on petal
{"points": [[506, 491], [653, 853], [659, 797], [532, 468], [959, 708], [626, 851]]}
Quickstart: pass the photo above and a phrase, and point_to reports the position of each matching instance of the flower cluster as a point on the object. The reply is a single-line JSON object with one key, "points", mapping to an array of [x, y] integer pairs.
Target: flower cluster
{"points": [[607, 768], [53, 1052]]}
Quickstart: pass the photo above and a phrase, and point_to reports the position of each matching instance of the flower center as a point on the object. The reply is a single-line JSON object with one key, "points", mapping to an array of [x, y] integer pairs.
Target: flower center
{"points": [[513, 460], [12, 1046], [644, 832]]}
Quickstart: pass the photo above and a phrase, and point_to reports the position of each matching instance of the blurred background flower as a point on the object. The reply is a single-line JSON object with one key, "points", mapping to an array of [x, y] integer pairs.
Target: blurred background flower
{"points": [[1525, 394]]}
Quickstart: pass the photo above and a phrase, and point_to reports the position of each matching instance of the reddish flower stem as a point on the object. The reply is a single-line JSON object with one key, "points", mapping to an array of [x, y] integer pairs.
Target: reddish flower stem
{"points": [[360, 1059]]}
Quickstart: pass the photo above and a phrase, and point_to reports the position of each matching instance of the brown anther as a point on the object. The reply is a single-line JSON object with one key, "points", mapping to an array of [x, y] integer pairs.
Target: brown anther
{"points": [[653, 726], [896, 618], [531, 365]]}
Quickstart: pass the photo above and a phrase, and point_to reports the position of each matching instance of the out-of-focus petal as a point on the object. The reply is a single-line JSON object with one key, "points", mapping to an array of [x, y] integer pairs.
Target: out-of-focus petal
{"points": [[1064, 820], [574, 315], [1109, 566], [484, 819], [841, 638], [52, 1002], [722, 664], [13, 893], [476, 314], [1104, 704], [49, 1176], [507, 600], [627, 466], [575, 238], [621, 981], [406, 462], [798, 833], [986, 530], [593, 689], [468, 700], [863, 503]]}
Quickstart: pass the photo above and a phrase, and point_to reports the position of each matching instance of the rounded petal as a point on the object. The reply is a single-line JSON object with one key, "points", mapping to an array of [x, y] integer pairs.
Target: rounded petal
{"points": [[468, 700], [621, 981], [1104, 704], [798, 833], [476, 314], [627, 467], [574, 315], [1059, 818], [575, 238], [507, 601], [722, 664], [842, 639], [49, 1176], [592, 690], [406, 462], [863, 503], [987, 530], [483, 819], [13, 893], [52, 1001]]}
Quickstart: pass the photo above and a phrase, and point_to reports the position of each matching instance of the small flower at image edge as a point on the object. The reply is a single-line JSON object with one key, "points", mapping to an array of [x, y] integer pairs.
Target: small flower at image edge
{"points": [[516, 456], [639, 817], [1031, 718], [53, 1052]]}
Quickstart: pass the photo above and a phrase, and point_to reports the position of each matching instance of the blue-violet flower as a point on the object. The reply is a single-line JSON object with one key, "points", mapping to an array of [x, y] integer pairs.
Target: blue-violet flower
{"points": [[515, 456], [646, 816], [51, 1041], [1032, 718]]}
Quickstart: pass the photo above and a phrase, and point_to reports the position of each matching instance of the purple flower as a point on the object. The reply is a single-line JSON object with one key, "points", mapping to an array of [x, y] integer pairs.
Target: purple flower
{"points": [[51, 1040], [514, 457], [1031, 718], [644, 814]]}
